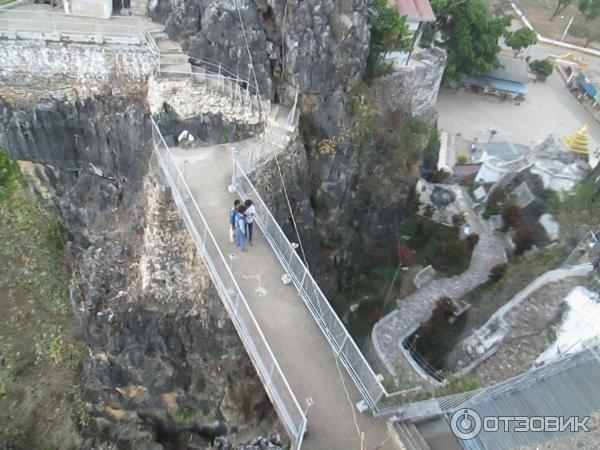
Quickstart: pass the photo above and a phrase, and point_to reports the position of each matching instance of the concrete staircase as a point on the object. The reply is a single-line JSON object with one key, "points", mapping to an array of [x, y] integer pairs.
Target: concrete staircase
{"points": [[173, 61]]}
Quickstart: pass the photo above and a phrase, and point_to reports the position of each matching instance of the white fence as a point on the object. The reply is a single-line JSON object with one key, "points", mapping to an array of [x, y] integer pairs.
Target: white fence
{"points": [[273, 379], [48, 25]]}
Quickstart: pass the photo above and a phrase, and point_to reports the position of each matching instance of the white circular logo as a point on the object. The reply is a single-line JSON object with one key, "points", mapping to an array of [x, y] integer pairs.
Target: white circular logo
{"points": [[465, 424]]}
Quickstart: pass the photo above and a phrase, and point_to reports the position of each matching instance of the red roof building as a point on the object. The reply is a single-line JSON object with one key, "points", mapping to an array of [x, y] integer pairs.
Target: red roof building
{"points": [[414, 10]]}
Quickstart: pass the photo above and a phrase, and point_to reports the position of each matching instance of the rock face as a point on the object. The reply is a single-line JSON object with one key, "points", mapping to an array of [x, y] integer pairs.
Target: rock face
{"points": [[317, 45], [165, 363], [352, 171]]}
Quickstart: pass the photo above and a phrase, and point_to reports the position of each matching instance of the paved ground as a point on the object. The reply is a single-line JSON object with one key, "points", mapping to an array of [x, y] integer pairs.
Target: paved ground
{"points": [[41, 17], [549, 108], [302, 351], [389, 332]]}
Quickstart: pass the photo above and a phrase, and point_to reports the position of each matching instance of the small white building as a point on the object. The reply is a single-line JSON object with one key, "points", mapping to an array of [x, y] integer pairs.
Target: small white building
{"points": [[101, 9]]}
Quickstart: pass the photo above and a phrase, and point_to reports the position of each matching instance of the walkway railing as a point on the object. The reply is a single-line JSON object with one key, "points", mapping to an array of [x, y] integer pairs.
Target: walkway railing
{"points": [[49, 25], [376, 397], [341, 342], [267, 367]]}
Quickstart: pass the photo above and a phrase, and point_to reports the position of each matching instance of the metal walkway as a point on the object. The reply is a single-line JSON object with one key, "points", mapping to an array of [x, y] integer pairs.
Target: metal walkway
{"points": [[268, 313]]}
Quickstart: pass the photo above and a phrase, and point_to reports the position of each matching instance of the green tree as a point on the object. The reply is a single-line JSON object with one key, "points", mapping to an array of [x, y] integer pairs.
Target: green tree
{"points": [[542, 67], [388, 32], [589, 9], [471, 38], [520, 39]]}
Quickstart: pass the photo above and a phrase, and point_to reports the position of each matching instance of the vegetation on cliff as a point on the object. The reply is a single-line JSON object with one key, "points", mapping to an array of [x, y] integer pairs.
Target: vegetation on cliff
{"points": [[388, 32], [39, 358]]}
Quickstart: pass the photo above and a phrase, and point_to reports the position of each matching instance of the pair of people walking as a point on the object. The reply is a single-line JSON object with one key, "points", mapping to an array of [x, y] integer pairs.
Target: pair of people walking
{"points": [[241, 221]]}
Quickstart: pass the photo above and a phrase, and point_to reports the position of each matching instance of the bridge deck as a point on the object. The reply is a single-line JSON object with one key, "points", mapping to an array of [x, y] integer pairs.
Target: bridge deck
{"points": [[302, 351]]}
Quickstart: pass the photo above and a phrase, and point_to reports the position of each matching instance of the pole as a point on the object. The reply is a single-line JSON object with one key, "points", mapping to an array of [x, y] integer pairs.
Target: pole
{"points": [[567, 29]]}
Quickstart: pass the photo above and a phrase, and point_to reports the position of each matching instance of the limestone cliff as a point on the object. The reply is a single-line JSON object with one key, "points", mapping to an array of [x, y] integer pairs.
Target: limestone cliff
{"points": [[357, 158], [165, 363]]}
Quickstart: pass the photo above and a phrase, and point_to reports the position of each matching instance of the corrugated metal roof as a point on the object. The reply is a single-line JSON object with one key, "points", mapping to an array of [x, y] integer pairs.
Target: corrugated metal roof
{"points": [[510, 69], [569, 387], [415, 9]]}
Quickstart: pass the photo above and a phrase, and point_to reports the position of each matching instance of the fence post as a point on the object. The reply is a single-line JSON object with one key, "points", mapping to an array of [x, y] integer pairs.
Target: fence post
{"points": [[293, 111]]}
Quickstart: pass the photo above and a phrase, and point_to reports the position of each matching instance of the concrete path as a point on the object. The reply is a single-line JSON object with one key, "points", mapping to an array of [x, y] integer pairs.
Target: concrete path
{"points": [[299, 346], [390, 331], [41, 17]]}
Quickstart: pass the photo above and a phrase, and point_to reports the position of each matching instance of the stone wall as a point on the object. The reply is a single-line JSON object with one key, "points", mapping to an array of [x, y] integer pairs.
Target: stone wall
{"points": [[414, 87], [40, 63]]}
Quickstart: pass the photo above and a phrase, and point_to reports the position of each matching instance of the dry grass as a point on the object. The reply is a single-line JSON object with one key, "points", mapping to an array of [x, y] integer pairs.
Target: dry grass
{"points": [[39, 358]]}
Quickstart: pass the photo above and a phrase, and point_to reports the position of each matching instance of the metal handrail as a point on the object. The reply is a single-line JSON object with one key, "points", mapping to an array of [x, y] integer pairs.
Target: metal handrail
{"points": [[232, 296], [343, 345]]}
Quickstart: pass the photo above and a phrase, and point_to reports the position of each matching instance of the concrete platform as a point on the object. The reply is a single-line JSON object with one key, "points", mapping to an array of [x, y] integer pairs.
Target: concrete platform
{"points": [[298, 344]]}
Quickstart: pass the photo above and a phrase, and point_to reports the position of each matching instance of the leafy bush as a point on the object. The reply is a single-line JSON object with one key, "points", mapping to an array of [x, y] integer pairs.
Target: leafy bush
{"points": [[511, 215], [542, 67], [523, 240], [388, 32], [462, 159], [497, 272], [520, 39], [472, 240], [458, 219]]}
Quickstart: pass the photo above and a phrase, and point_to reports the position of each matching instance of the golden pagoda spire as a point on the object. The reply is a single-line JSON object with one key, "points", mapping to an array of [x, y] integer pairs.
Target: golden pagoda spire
{"points": [[578, 142]]}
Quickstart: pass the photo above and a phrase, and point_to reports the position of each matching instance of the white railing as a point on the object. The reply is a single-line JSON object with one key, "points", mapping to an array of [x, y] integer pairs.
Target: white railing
{"points": [[57, 25], [344, 347], [375, 395], [267, 367]]}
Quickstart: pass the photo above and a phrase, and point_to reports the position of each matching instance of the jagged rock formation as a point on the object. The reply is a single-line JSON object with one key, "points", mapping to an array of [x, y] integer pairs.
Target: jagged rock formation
{"points": [[317, 45], [164, 361], [352, 174]]}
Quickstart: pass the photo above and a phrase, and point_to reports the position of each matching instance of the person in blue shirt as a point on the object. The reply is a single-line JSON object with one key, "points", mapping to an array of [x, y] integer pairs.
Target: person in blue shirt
{"points": [[240, 228]]}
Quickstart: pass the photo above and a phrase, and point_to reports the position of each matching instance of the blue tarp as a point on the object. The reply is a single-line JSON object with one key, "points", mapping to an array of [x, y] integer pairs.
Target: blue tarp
{"points": [[496, 84], [586, 85]]}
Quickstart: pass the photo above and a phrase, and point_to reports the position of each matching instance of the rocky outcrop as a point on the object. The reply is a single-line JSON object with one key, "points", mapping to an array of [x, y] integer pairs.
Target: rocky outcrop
{"points": [[165, 364], [317, 45], [353, 171]]}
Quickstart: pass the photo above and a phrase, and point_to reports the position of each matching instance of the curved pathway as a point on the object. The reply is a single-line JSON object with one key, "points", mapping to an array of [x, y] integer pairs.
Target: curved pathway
{"points": [[389, 332]]}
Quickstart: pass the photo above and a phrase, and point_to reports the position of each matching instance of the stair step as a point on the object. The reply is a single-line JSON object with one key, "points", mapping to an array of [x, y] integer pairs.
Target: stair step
{"points": [[159, 35], [176, 69], [174, 58], [168, 45]]}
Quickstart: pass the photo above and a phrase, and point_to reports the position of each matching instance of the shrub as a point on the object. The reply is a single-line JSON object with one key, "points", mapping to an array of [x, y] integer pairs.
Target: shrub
{"points": [[523, 240], [497, 195], [462, 159], [497, 272], [472, 240], [458, 219], [444, 308], [511, 215], [542, 67], [405, 255], [428, 211]]}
